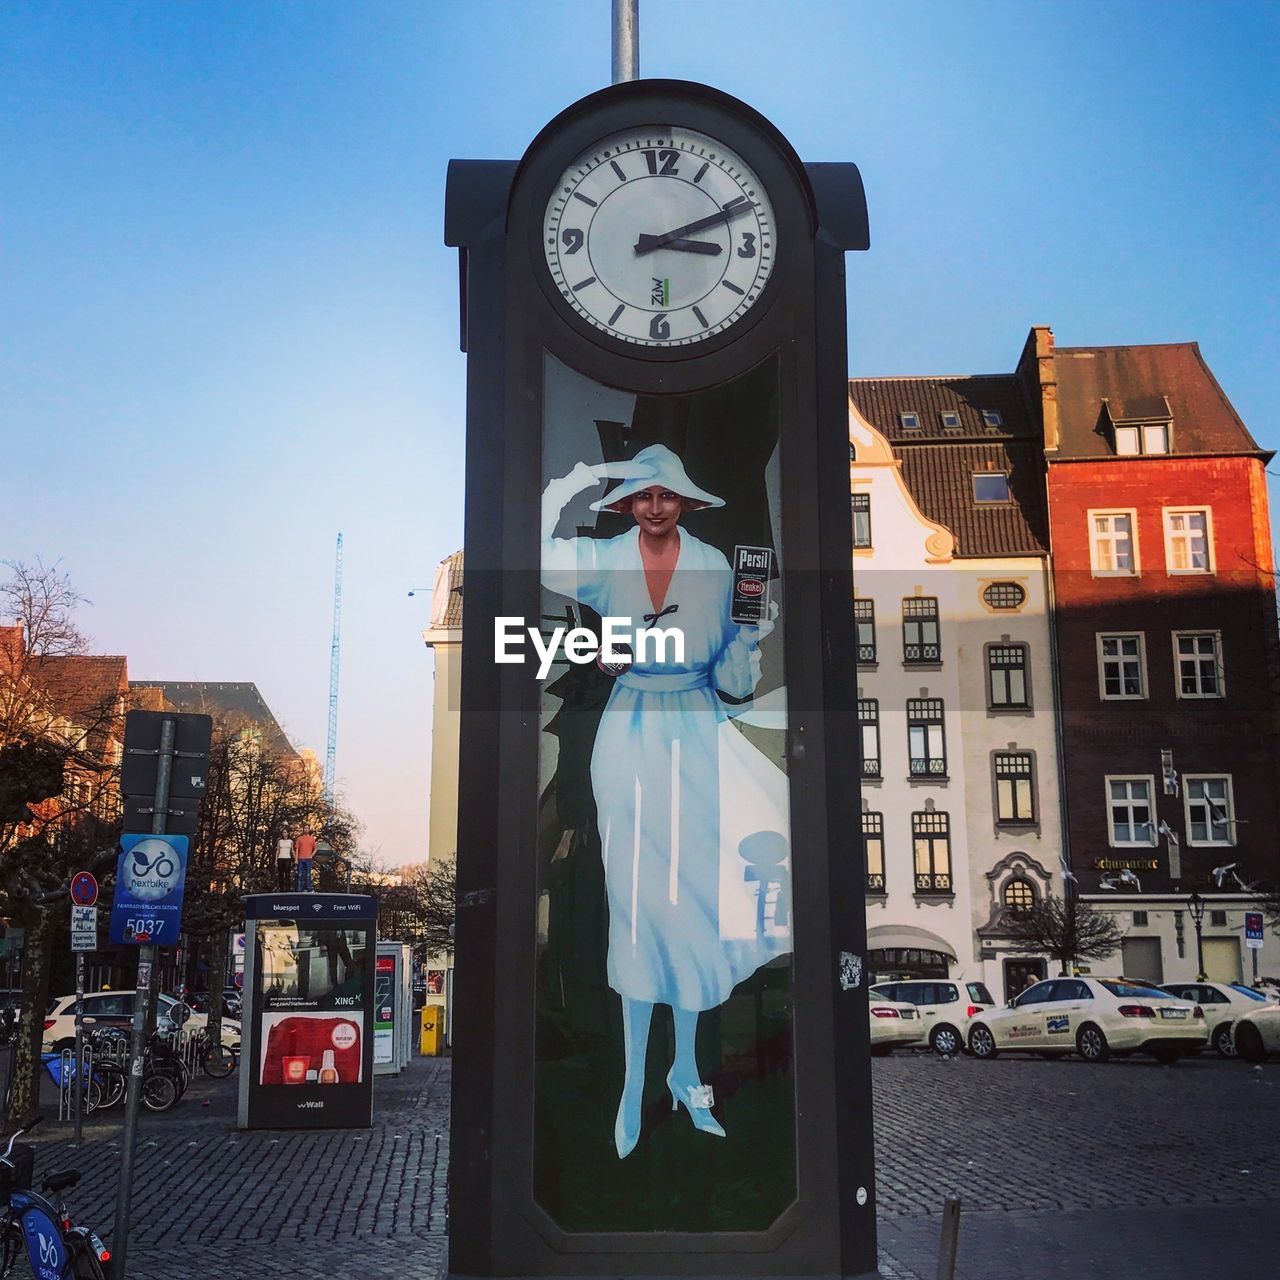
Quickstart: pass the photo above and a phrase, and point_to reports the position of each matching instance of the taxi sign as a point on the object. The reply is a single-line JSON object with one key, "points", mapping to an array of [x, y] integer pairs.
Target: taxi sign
{"points": [[1253, 929]]}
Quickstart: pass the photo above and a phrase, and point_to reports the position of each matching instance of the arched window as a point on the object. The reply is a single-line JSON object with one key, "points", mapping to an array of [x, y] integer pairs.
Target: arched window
{"points": [[1019, 895]]}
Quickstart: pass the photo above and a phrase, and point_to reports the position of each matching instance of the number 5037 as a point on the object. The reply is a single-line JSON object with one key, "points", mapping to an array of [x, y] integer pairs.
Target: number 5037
{"points": [[144, 924]]}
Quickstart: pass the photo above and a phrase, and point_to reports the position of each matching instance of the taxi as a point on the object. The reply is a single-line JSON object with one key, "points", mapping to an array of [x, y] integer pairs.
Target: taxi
{"points": [[1223, 1003], [1093, 1017], [1257, 1033], [895, 1024]]}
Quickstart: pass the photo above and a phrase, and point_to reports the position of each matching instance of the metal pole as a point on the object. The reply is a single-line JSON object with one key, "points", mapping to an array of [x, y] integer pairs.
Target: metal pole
{"points": [[80, 1084], [141, 1018], [626, 40], [1200, 948], [950, 1238]]}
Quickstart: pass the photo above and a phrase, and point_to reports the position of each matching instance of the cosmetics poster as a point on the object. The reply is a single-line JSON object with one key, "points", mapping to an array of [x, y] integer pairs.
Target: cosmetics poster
{"points": [[664, 1093]]}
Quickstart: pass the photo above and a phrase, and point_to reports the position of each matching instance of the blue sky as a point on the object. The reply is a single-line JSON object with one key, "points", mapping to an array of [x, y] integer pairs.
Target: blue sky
{"points": [[229, 324]]}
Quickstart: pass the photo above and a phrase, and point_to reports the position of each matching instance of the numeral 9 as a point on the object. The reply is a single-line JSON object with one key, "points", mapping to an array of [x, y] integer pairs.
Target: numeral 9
{"points": [[571, 238]]}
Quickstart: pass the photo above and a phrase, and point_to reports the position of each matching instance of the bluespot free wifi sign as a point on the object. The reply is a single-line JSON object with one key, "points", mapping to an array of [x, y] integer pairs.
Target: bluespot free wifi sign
{"points": [[151, 875]]}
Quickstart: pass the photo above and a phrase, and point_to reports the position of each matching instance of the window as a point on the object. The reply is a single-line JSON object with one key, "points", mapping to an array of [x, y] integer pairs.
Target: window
{"points": [[926, 738], [920, 642], [950, 420], [1112, 549], [931, 842], [991, 486], [1198, 657], [1140, 919], [1122, 666], [1218, 919], [1144, 437], [992, 418], [1018, 895], [910, 420], [869, 726], [1210, 819], [861, 519], [1129, 811], [1007, 675], [1186, 541], [1004, 595], [864, 618], [1015, 797], [873, 842]]}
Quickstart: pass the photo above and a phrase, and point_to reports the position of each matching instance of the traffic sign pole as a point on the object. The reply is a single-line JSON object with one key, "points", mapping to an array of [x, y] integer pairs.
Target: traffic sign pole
{"points": [[79, 1081], [141, 1018]]}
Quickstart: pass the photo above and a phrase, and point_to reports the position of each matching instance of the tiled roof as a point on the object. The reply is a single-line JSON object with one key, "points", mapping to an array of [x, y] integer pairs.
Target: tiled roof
{"points": [[446, 603], [882, 400], [220, 700], [80, 686], [940, 478], [1135, 382], [938, 464]]}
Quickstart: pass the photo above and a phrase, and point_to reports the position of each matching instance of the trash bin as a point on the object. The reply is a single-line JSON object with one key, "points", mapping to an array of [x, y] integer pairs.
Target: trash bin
{"points": [[432, 1027]]}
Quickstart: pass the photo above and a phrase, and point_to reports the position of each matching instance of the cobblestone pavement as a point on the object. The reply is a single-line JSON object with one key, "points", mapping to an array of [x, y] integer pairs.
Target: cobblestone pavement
{"points": [[1127, 1171]]}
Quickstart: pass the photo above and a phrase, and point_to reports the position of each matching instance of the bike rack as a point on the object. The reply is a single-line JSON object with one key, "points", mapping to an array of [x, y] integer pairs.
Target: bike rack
{"points": [[69, 1076]]}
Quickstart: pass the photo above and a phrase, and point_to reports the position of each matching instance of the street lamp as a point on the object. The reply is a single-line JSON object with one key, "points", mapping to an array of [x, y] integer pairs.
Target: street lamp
{"points": [[1196, 905]]}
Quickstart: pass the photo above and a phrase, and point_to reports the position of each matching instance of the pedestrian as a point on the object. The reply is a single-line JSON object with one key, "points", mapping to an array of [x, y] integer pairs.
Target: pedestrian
{"points": [[304, 848], [284, 862]]}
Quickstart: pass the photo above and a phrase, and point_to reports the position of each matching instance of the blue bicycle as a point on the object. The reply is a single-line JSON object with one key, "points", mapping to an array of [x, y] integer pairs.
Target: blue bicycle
{"points": [[40, 1224]]}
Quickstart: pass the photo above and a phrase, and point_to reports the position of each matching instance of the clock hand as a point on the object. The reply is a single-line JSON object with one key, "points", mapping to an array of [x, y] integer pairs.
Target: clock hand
{"points": [[645, 243], [740, 204]]}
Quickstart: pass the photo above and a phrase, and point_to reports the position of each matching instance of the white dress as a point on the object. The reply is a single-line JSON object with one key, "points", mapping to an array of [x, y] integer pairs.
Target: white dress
{"points": [[693, 819]]}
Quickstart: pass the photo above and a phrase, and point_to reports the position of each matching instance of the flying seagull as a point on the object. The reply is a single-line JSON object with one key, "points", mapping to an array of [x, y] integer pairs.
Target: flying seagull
{"points": [[1127, 877], [1107, 882], [1219, 874], [1067, 873]]}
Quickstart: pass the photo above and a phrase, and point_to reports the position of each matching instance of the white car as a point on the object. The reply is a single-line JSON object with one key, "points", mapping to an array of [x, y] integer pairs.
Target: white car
{"points": [[1093, 1017], [945, 1005], [1223, 1003], [895, 1024], [1257, 1033], [115, 1009]]}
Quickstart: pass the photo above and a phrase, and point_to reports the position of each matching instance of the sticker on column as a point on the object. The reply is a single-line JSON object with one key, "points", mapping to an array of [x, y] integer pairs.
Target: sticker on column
{"points": [[850, 971]]}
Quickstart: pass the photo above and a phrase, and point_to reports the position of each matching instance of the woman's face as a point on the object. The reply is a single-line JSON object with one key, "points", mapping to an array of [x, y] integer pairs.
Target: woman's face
{"points": [[657, 510]]}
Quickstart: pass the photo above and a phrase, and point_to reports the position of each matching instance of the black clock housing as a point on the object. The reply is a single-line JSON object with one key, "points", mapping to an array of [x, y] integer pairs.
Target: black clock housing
{"points": [[792, 342]]}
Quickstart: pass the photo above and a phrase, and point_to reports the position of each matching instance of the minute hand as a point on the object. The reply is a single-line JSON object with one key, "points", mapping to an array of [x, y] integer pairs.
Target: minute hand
{"points": [[646, 244]]}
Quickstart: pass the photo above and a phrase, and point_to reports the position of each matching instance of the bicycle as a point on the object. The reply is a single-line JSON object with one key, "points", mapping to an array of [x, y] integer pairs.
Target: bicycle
{"points": [[41, 1225]]}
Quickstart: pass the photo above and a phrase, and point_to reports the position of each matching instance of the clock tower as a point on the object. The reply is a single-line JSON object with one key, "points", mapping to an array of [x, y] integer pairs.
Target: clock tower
{"points": [[661, 1047]]}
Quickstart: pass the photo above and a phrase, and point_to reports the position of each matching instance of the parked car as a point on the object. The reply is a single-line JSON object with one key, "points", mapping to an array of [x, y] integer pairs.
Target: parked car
{"points": [[1093, 1017], [115, 1009], [945, 1005], [1223, 1003], [1257, 1033], [895, 1024]]}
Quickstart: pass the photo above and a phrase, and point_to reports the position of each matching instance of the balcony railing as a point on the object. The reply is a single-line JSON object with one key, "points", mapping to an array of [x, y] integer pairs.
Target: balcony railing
{"points": [[870, 766], [866, 653], [927, 766], [933, 882], [922, 653], [875, 882]]}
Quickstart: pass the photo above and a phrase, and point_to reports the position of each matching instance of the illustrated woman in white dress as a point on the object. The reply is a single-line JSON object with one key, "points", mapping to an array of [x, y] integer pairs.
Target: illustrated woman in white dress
{"points": [[685, 804]]}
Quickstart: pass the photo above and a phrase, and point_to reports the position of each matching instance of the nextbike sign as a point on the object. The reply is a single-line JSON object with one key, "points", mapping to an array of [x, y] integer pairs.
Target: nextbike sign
{"points": [[151, 875]]}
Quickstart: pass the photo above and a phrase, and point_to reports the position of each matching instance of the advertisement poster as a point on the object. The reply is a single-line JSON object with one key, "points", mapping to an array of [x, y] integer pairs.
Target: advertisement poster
{"points": [[384, 1011], [308, 1010], [664, 1096]]}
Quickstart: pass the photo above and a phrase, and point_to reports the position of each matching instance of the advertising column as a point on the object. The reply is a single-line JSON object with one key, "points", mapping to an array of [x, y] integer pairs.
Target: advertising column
{"points": [[309, 1002], [385, 1009]]}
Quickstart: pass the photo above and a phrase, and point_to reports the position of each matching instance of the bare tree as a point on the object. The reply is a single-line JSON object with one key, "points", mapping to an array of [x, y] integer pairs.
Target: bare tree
{"points": [[60, 731], [1068, 930]]}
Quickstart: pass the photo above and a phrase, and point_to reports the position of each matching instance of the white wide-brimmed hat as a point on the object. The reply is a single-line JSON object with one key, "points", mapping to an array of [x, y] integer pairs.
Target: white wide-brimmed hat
{"points": [[667, 471]]}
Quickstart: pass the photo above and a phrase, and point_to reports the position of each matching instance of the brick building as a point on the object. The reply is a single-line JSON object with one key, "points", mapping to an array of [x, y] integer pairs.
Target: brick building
{"points": [[1165, 617]]}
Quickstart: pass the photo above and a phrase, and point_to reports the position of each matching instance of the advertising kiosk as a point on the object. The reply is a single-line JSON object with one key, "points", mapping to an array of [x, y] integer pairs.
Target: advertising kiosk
{"points": [[308, 1011], [393, 1009]]}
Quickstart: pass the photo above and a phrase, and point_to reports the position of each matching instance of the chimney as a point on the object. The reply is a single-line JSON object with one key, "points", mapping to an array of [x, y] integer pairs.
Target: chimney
{"points": [[1039, 374]]}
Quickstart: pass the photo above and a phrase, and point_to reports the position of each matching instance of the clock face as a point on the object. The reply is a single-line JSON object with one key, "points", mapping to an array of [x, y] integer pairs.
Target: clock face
{"points": [[660, 236]]}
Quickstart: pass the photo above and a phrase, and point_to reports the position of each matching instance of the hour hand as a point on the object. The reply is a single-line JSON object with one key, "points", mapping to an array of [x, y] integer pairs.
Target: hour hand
{"points": [[647, 243]]}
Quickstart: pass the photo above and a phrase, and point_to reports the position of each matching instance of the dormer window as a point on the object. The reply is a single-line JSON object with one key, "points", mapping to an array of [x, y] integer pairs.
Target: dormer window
{"points": [[992, 418], [910, 420], [950, 420], [1136, 439], [991, 486]]}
